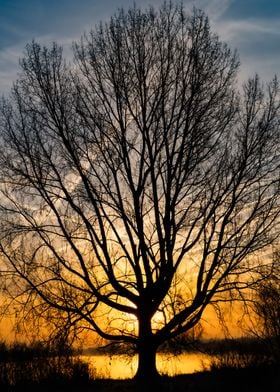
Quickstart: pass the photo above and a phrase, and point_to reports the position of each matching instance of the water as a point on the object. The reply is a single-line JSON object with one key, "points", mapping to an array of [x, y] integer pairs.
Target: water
{"points": [[123, 366]]}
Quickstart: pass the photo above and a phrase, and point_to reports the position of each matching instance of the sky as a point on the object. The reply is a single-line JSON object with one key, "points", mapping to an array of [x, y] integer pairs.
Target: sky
{"points": [[250, 26]]}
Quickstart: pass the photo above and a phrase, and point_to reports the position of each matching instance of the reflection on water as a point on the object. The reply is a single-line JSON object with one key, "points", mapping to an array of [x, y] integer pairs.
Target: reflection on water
{"points": [[123, 366]]}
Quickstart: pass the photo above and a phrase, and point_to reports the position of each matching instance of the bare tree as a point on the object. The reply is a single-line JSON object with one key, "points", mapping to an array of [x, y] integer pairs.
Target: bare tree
{"points": [[137, 183]]}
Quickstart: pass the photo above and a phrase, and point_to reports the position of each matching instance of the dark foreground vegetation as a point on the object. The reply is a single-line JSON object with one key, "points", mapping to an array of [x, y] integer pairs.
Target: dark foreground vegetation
{"points": [[237, 365], [27, 367], [235, 380]]}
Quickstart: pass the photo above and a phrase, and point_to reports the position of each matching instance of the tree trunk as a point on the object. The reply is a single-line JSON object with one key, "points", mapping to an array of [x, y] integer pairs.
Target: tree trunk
{"points": [[147, 348], [147, 371]]}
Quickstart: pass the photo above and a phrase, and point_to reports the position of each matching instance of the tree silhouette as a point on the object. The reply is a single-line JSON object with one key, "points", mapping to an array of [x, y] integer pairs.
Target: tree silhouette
{"points": [[136, 182]]}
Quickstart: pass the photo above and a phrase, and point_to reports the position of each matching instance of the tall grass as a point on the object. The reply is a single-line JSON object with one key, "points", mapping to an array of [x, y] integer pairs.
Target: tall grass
{"points": [[39, 364], [241, 354]]}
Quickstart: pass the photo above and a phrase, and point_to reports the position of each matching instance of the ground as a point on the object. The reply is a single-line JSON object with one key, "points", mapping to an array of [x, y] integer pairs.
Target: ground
{"points": [[231, 380], [225, 380]]}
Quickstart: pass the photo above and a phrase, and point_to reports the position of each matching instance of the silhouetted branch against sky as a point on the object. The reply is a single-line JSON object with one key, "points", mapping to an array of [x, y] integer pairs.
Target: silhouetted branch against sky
{"points": [[251, 26]]}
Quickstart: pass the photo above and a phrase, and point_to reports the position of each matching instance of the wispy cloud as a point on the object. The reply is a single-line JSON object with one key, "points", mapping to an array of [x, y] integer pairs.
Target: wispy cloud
{"points": [[258, 43], [214, 8], [231, 28]]}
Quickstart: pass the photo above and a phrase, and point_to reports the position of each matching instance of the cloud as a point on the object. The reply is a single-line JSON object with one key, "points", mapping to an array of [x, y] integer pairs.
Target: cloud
{"points": [[9, 58], [231, 28], [267, 9], [252, 27], [257, 42], [215, 9]]}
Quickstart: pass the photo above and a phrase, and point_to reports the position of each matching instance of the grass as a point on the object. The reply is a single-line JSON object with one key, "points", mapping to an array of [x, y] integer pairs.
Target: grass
{"points": [[24, 367]]}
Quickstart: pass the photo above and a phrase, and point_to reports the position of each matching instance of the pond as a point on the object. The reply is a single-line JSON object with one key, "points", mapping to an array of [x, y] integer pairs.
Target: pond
{"points": [[123, 366]]}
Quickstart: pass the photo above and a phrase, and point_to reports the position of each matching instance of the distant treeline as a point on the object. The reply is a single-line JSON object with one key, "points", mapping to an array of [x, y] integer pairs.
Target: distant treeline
{"points": [[242, 345]]}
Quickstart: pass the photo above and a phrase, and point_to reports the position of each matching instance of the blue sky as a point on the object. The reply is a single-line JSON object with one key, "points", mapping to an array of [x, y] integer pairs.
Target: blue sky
{"points": [[250, 26]]}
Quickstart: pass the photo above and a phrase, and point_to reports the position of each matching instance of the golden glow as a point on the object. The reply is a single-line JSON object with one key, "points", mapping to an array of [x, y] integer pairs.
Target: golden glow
{"points": [[158, 320], [124, 366]]}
